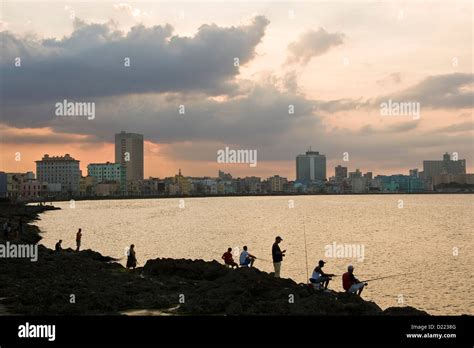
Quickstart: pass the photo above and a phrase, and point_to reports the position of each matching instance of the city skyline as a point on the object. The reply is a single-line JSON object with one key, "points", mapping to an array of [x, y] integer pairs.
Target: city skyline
{"points": [[332, 172], [274, 79]]}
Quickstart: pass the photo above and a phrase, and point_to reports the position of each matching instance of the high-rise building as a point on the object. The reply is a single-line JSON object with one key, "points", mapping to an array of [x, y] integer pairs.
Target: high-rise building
{"points": [[62, 170], [311, 166], [340, 173], [446, 166], [129, 153]]}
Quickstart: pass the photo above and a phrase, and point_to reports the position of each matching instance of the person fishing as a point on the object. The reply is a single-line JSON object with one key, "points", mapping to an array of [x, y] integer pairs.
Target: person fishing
{"points": [[277, 256], [58, 247], [131, 257], [246, 259], [78, 239], [319, 278], [350, 283], [228, 259]]}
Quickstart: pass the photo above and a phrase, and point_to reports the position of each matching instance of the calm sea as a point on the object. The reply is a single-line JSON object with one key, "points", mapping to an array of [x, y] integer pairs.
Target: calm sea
{"points": [[388, 235]]}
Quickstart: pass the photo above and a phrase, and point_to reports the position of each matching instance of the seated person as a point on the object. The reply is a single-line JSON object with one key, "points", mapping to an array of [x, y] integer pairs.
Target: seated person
{"points": [[228, 259], [246, 259], [319, 278], [350, 283]]}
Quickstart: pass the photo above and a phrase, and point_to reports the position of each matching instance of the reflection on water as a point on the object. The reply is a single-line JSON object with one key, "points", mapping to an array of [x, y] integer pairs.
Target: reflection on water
{"points": [[421, 236]]}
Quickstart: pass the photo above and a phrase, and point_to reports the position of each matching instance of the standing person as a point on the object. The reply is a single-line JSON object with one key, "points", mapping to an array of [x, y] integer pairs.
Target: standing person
{"points": [[277, 256], [228, 259], [246, 259], [58, 247], [350, 283], [78, 239], [319, 278], [131, 257]]}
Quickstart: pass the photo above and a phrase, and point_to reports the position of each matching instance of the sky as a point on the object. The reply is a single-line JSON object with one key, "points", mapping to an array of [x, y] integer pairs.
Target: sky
{"points": [[275, 77]]}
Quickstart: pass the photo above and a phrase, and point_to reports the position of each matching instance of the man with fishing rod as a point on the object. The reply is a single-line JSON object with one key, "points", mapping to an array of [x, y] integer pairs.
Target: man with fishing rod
{"points": [[319, 279], [350, 283]]}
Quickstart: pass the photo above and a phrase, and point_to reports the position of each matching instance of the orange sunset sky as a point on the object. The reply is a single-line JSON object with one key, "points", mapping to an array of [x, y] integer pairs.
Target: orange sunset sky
{"points": [[237, 68]]}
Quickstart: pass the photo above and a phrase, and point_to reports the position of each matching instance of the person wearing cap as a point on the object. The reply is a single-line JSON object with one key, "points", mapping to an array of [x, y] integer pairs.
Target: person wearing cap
{"points": [[319, 278], [277, 256], [350, 283]]}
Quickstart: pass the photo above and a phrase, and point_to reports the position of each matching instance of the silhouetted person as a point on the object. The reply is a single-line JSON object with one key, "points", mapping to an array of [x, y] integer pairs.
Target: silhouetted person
{"points": [[246, 259], [319, 278], [350, 283], [58, 247], [131, 257], [277, 256], [228, 259], [78, 239]]}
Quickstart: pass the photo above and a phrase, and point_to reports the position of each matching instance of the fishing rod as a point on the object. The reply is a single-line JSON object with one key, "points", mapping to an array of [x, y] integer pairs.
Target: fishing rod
{"points": [[390, 276], [305, 249], [258, 258]]}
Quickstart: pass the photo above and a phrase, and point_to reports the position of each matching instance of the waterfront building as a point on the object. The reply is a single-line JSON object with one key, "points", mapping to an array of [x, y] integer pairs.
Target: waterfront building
{"points": [[311, 167], [87, 185], [129, 153], [359, 184], [356, 174], [224, 176], [461, 179], [62, 170], [106, 172], [414, 173], [446, 166], [340, 173], [276, 183]]}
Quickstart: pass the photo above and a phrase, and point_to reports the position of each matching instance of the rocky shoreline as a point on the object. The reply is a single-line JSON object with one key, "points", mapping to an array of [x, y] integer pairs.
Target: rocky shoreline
{"points": [[88, 283]]}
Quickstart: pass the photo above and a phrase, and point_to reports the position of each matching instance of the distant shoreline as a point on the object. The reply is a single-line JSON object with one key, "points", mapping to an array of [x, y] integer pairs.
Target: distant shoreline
{"points": [[95, 198]]}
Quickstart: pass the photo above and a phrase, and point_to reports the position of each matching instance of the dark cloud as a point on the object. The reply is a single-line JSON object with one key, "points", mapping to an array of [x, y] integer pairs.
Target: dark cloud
{"points": [[90, 62], [450, 91], [312, 44]]}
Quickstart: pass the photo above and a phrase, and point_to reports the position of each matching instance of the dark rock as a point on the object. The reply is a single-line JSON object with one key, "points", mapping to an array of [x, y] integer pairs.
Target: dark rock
{"points": [[404, 311]]}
